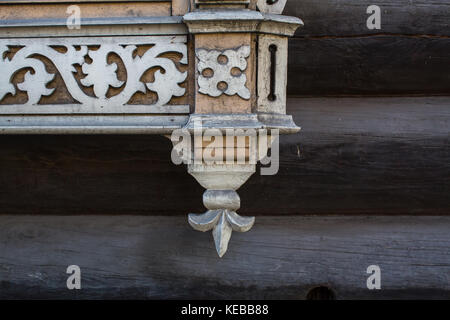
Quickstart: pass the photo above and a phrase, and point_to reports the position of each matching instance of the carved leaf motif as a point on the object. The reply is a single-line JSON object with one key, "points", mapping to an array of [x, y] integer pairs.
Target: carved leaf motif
{"points": [[99, 73], [34, 83], [240, 223], [7, 70], [36, 86], [165, 84], [222, 222], [222, 234], [206, 221]]}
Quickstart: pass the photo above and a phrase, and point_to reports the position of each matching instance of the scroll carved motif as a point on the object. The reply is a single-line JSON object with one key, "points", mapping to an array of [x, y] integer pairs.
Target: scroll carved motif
{"points": [[98, 72], [226, 72]]}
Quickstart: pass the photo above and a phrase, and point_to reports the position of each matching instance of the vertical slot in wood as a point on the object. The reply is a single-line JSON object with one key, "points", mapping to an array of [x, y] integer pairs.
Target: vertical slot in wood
{"points": [[273, 61]]}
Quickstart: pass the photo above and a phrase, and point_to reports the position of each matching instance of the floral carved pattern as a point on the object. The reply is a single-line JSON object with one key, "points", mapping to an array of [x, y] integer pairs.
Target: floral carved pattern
{"points": [[223, 72], [91, 54]]}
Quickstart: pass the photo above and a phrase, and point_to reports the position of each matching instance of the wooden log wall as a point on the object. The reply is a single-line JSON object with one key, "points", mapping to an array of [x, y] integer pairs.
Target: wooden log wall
{"points": [[366, 181], [336, 54], [280, 258], [353, 156]]}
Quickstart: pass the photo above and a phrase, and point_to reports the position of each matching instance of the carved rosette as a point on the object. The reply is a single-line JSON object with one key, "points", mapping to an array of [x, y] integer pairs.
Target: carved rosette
{"points": [[222, 72]]}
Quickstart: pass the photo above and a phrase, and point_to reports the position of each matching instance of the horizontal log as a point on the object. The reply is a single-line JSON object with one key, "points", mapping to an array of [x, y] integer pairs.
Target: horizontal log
{"points": [[280, 258], [352, 156], [360, 155], [336, 54], [373, 65], [348, 18]]}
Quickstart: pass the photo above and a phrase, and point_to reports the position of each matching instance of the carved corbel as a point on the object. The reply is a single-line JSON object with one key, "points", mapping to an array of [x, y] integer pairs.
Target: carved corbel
{"points": [[240, 72], [221, 156]]}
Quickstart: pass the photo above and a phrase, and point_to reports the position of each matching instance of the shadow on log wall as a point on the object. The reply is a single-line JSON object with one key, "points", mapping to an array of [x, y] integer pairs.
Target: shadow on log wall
{"points": [[353, 156]]}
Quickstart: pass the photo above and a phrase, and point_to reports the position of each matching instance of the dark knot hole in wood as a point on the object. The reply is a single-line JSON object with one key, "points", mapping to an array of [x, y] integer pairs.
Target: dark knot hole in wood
{"points": [[321, 293], [273, 61], [270, 2]]}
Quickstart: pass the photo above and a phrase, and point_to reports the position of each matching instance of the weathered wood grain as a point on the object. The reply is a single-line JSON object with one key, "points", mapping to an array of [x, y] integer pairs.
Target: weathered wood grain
{"points": [[360, 155], [348, 18], [353, 156], [87, 174], [280, 258], [336, 54], [374, 65], [19, 10]]}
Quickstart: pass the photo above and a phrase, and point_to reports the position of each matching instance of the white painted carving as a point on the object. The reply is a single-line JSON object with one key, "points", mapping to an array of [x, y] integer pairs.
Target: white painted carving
{"points": [[221, 200], [222, 72], [98, 73], [222, 222]]}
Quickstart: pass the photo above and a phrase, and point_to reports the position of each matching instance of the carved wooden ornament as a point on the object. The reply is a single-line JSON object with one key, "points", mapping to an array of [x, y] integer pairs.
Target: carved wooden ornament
{"points": [[97, 72], [222, 64], [132, 75]]}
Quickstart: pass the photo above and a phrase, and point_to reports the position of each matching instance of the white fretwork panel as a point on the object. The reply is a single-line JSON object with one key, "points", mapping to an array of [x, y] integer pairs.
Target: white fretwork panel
{"points": [[91, 54]]}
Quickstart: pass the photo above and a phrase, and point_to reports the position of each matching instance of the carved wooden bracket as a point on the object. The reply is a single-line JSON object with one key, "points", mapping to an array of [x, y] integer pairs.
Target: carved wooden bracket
{"points": [[215, 76]]}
